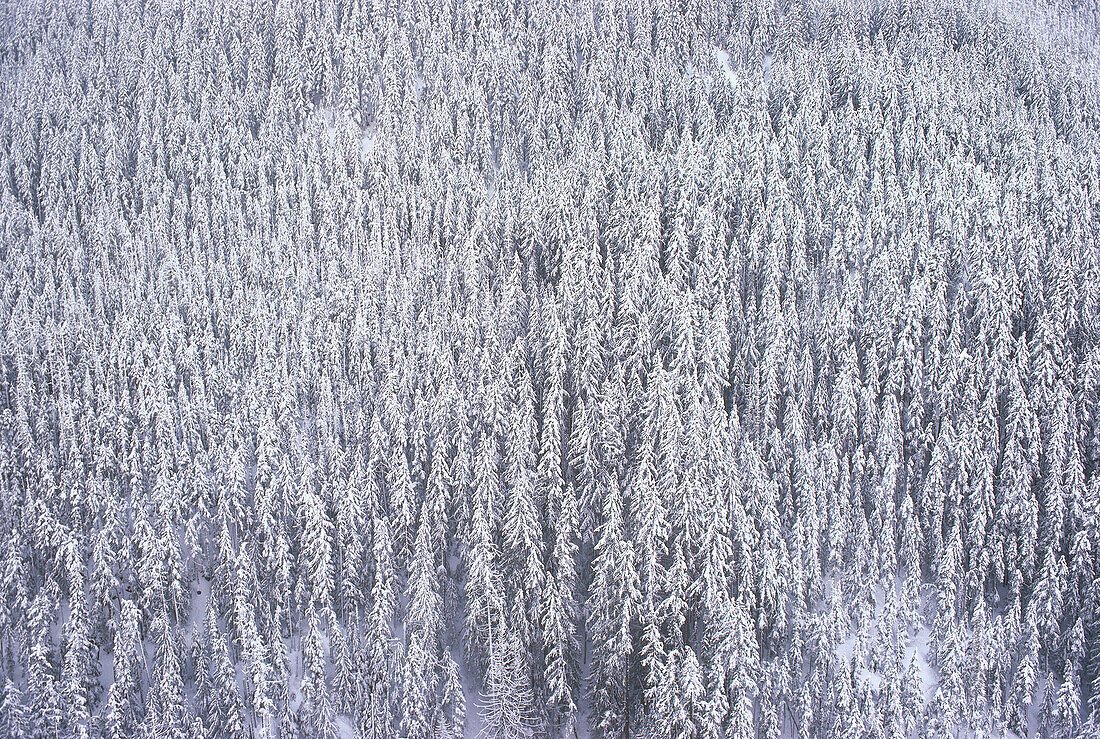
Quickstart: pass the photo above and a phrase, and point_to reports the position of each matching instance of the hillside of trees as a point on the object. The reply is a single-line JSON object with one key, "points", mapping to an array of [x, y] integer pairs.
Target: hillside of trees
{"points": [[685, 369]]}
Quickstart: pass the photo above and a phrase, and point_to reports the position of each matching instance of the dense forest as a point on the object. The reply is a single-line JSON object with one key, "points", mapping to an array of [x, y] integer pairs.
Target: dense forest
{"points": [[524, 368]]}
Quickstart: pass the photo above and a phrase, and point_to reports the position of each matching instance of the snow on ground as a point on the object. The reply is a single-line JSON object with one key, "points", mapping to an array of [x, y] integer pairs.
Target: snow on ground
{"points": [[475, 726], [367, 142], [345, 727], [200, 601], [723, 58], [918, 650]]}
